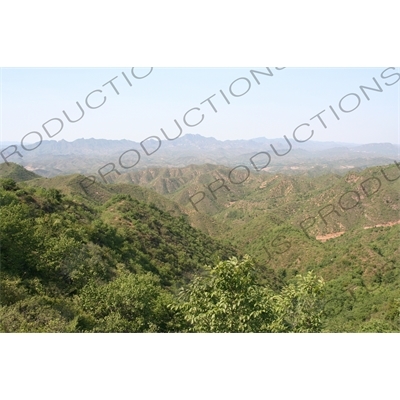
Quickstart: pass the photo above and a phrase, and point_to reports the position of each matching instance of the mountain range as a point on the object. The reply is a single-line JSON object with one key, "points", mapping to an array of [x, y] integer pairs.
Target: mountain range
{"points": [[87, 156]]}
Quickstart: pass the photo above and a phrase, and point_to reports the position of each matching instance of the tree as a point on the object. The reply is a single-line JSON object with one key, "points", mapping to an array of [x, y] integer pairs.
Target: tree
{"points": [[298, 308], [17, 244], [8, 184], [130, 303], [229, 299]]}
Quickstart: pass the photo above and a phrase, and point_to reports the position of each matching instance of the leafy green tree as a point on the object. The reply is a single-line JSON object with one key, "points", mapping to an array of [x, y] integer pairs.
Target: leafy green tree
{"points": [[298, 308], [230, 299], [377, 326], [38, 314], [11, 290], [17, 244], [8, 184], [130, 303]]}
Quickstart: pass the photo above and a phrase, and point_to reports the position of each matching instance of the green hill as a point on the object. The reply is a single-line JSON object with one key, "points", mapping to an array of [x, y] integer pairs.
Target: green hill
{"points": [[56, 246], [99, 193], [84, 257], [277, 218], [16, 172]]}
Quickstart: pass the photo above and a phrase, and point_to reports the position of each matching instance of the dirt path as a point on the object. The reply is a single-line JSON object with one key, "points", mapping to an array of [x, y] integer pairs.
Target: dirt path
{"points": [[324, 238], [379, 225]]}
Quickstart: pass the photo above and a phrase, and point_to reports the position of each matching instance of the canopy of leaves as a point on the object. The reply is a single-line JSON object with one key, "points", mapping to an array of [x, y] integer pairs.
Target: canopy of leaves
{"points": [[229, 299]]}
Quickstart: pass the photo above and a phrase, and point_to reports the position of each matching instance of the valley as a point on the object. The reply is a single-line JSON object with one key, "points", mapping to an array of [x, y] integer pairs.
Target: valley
{"points": [[334, 216]]}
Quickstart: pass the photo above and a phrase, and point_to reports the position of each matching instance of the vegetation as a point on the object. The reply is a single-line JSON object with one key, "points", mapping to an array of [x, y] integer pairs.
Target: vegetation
{"points": [[229, 299], [123, 258]]}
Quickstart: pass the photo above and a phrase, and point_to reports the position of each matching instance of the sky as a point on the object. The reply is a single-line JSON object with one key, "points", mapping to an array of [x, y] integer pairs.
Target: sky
{"points": [[275, 107]]}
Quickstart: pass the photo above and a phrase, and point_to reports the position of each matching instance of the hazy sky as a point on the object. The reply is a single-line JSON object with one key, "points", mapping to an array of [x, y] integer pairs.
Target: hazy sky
{"points": [[273, 108]]}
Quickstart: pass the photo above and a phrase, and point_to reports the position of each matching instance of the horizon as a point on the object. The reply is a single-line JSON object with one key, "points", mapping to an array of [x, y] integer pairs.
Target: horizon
{"points": [[8, 143]]}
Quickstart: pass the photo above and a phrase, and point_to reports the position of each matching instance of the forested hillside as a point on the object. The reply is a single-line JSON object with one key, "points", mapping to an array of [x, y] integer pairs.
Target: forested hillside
{"points": [[77, 266], [124, 258]]}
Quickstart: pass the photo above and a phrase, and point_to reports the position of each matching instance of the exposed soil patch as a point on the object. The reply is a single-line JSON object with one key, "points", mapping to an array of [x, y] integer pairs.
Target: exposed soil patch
{"points": [[324, 238], [379, 225]]}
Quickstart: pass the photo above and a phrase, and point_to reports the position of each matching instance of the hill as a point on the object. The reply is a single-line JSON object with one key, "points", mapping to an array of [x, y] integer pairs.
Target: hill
{"points": [[16, 172], [315, 205], [344, 226], [68, 244], [57, 249], [98, 193]]}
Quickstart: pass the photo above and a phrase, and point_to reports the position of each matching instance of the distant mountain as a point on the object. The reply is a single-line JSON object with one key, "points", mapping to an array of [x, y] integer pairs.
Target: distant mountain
{"points": [[87, 156], [384, 149]]}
